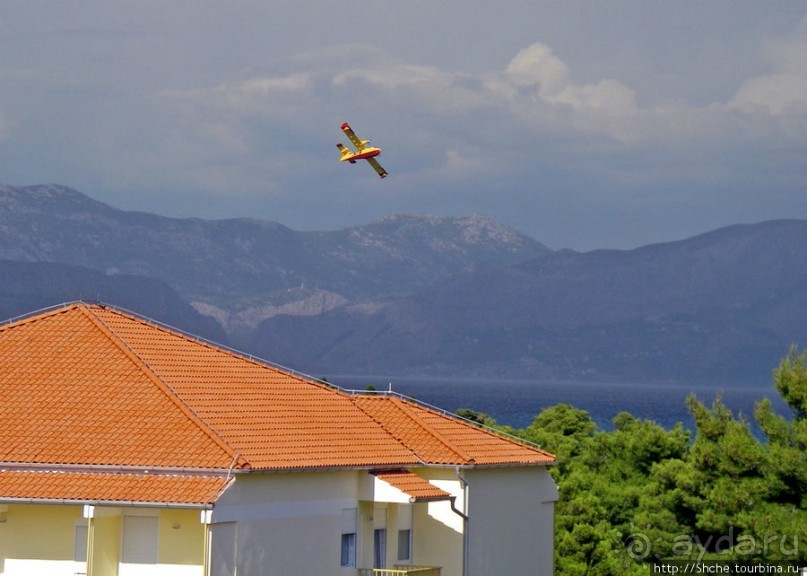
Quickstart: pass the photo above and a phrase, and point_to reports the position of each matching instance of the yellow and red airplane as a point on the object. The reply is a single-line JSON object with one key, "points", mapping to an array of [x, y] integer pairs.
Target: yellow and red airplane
{"points": [[363, 151]]}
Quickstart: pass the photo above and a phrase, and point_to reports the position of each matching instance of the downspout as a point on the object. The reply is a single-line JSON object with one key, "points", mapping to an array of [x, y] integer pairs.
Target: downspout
{"points": [[89, 514], [465, 518], [206, 517], [206, 559]]}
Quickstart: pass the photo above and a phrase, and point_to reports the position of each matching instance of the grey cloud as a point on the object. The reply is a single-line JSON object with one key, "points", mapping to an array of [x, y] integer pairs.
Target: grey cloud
{"points": [[596, 125]]}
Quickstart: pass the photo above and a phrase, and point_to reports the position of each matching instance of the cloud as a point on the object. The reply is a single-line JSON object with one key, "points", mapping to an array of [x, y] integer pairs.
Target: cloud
{"points": [[268, 86], [395, 77], [776, 94], [540, 88], [533, 96], [784, 90], [533, 83], [772, 107], [538, 68]]}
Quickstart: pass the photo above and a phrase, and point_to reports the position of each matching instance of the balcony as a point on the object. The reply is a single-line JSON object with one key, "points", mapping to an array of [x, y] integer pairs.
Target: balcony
{"points": [[401, 570]]}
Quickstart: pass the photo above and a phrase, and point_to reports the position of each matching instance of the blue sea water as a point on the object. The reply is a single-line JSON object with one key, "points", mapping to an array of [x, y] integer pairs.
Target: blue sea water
{"points": [[517, 402]]}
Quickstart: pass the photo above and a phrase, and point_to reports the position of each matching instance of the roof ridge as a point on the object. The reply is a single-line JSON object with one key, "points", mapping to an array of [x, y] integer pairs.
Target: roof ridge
{"points": [[402, 407], [36, 316], [161, 384], [445, 441], [352, 398], [212, 345], [498, 434]]}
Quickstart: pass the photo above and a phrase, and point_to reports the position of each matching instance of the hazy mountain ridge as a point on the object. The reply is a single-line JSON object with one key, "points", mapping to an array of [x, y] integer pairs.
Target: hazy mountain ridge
{"points": [[29, 286], [724, 305], [246, 268], [423, 295]]}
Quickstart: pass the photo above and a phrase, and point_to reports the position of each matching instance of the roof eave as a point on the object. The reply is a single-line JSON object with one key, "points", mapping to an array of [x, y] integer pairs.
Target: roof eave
{"points": [[360, 467], [109, 503], [119, 468]]}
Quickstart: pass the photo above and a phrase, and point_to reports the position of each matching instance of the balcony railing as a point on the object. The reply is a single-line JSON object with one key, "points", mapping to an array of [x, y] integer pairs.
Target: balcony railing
{"points": [[401, 570]]}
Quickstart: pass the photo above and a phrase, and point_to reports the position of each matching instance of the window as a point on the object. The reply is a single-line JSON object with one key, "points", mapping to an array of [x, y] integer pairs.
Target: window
{"points": [[80, 542], [380, 548], [140, 540], [404, 533], [348, 545], [348, 556], [405, 545], [380, 537]]}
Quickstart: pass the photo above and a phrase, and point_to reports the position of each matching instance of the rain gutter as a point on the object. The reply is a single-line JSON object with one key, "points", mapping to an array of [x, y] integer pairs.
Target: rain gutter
{"points": [[465, 518]]}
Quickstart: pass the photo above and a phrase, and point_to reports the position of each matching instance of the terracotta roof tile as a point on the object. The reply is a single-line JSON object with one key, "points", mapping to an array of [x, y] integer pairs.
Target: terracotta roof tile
{"points": [[272, 418], [90, 487], [419, 489], [69, 395], [87, 384], [441, 439]]}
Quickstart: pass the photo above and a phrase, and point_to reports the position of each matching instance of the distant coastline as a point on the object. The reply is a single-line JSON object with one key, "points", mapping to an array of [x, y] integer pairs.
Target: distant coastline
{"points": [[516, 402]]}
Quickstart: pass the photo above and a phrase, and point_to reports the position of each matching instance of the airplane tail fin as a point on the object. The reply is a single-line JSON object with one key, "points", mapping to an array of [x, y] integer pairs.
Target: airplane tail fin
{"points": [[346, 153]]}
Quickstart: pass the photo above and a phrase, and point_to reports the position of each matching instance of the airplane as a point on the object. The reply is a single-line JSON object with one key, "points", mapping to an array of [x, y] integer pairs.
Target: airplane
{"points": [[363, 151]]}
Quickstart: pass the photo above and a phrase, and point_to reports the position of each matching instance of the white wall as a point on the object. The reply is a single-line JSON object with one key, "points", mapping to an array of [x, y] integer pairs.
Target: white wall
{"points": [[285, 523], [437, 536], [14, 567], [290, 523], [511, 526]]}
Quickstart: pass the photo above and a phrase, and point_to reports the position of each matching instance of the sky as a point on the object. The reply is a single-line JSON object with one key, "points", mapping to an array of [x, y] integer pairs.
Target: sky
{"points": [[585, 124]]}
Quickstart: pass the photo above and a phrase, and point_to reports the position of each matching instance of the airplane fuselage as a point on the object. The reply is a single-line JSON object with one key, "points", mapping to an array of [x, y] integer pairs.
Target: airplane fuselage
{"points": [[367, 152]]}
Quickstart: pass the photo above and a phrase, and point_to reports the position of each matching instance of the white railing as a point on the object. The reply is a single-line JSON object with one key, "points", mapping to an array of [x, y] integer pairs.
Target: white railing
{"points": [[401, 570]]}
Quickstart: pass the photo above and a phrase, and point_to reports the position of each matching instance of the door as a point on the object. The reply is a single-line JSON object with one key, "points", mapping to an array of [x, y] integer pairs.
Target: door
{"points": [[380, 537], [380, 548]]}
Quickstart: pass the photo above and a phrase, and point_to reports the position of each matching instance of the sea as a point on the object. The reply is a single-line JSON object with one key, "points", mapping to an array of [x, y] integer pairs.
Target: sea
{"points": [[517, 402]]}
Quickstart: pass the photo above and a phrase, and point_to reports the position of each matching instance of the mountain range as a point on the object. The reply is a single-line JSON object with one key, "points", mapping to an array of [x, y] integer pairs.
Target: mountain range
{"points": [[421, 295], [241, 271]]}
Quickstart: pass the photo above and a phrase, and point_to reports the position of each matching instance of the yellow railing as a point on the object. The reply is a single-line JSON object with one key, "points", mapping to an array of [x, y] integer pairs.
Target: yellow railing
{"points": [[401, 570]]}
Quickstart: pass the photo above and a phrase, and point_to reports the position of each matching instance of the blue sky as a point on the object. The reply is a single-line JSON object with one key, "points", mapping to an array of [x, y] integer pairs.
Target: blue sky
{"points": [[586, 124]]}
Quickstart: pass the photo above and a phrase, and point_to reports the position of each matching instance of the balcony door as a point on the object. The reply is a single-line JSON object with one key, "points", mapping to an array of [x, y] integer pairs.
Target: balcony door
{"points": [[380, 548], [380, 538]]}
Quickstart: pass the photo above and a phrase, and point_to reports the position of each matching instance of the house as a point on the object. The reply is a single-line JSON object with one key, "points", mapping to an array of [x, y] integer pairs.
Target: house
{"points": [[128, 448]]}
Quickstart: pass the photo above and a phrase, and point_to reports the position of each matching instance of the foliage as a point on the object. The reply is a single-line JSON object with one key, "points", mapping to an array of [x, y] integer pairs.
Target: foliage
{"points": [[479, 418], [639, 493]]}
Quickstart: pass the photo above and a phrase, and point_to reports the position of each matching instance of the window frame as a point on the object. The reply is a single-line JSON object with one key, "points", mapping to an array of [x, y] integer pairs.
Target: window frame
{"points": [[347, 550], [348, 544], [408, 539]]}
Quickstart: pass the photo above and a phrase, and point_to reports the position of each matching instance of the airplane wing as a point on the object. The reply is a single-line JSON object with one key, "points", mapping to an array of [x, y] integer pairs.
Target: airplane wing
{"points": [[352, 136], [377, 167]]}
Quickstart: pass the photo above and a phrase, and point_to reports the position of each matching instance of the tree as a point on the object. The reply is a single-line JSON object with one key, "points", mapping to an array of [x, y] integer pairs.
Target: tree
{"points": [[639, 492], [479, 418], [790, 379], [562, 430], [602, 480]]}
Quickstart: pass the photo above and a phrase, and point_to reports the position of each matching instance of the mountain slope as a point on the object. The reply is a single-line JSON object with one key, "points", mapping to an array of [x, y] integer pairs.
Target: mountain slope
{"points": [[250, 267], [423, 295], [724, 305], [29, 286]]}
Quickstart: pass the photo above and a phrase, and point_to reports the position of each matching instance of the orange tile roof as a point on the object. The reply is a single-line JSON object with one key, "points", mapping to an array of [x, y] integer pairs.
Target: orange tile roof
{"points": [[71, 394], [97, 487], [419, 489], [91, 385], [440, 439], [273, 419]]}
